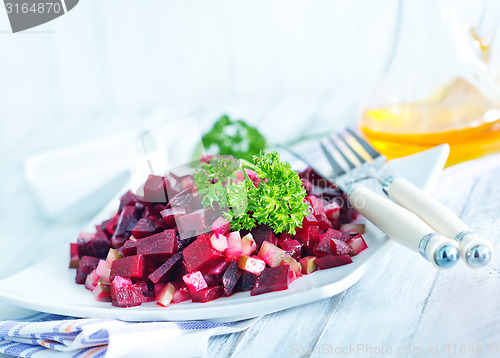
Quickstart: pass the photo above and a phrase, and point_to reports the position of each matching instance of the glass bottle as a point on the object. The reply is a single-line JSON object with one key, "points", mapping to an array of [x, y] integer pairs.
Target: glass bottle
{"points": [[436, 89]]}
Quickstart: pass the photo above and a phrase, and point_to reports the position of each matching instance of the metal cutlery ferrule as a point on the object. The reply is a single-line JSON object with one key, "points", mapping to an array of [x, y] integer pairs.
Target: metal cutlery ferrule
{"points": [[446, 253], [475, 251], [386, 183]]}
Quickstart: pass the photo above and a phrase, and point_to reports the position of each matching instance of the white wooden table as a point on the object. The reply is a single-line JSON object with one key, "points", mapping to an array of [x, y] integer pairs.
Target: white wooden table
{"points": [[402, 306]]}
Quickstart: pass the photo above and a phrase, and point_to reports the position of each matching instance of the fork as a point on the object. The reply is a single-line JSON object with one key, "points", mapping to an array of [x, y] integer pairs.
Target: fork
{"points": [[398, 223], [353, 158]]}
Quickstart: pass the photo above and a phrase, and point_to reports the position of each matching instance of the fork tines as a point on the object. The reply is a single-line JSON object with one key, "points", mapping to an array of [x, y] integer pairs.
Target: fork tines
{"points": [[347, 150]]}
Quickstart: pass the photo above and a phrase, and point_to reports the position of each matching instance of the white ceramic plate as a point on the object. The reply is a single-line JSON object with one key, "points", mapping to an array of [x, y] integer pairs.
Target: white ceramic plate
{"points": [[49, 286]]}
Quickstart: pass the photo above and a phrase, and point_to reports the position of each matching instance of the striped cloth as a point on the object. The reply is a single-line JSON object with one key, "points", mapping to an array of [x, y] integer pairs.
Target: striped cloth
{"points": [[47, 335]]}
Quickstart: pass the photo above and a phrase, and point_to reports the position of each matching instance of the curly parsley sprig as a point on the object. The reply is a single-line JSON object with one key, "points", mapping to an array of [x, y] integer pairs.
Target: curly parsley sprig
{"points": [[277, 201]]}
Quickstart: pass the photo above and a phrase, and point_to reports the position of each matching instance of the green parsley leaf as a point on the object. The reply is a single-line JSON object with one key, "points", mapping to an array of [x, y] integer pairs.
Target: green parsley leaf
{"points": [[277, 201]]}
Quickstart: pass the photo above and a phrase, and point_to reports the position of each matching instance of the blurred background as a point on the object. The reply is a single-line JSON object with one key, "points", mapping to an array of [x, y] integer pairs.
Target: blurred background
{"points": [[290, 68], [113, 62]]}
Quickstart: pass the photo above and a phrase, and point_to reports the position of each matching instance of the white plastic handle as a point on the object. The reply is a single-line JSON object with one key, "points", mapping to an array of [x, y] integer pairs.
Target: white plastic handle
{"points": [[399, 224], [441, 218]]}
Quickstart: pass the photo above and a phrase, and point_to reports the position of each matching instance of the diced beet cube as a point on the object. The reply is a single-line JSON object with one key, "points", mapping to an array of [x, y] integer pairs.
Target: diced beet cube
{"points": [[292, 247], [128, 218], [148, 295], [196, 203], [145, 227], [284, 236], [221, 225], [271, 254], [213, 280], [308, 264], [84, 244], [127, 296], [100, 245], [347, 214], [127, 199], [173, 184], [218, 241], [200, 256], [166, 295], [195, 220], [183, 198], [158, 287], [247, 281], [195, 281], [102, 226], [357, 245], [335, 224], [117, 283], [129, 248], [161, 245], [91, 280], [180, 295], [170, 215], [295, 267], [187, 181], [317, 204], [292, 276], [248, 244], [219, 268], [208, 294], [308, 235], [235, 246], [309, 220], [152, 211], [339, 247], [254, 265], [272, 279], [113, 254], [323, 247], [353, 227], [184, 239], [103, 270], [96, 245], [332, 210], [155, 189], [330, 261], [161, 223], [348, 236], [262, 233], [166, 271], [130, 266], [323, 222], [86, 265], [111, 224], [333, 234], [151, 264], [231, 278], [74, 258]]}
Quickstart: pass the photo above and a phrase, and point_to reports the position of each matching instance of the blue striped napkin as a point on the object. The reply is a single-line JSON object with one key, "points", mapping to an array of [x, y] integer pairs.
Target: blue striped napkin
{"points": [[42, 335]]}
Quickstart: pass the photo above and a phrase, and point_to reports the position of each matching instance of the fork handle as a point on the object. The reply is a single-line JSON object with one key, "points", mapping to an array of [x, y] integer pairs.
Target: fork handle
{"points": [[404, 227], [441, 218]]}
